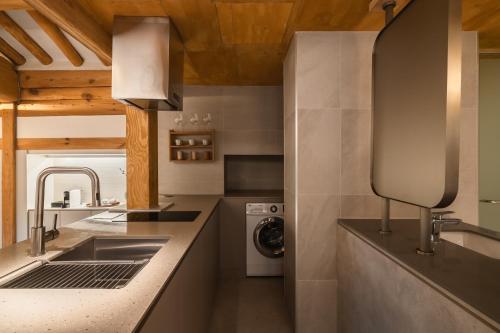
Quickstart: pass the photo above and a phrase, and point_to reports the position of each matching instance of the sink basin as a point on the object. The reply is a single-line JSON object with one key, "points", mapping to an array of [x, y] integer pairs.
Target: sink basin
{"points": [[484, 245], [98, 263], [129, 249]]}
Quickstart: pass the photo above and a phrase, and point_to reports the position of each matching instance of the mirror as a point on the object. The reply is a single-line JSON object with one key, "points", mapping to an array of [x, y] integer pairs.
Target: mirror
{"points": [[416, 105]]}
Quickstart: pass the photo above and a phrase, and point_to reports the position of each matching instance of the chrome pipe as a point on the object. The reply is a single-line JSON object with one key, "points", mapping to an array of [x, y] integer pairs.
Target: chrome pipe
{"points": [[425, 244], [385, 226]]}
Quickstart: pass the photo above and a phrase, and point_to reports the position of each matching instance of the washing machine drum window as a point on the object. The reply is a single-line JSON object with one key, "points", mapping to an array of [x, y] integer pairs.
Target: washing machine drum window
{"points": [[268, 237]]}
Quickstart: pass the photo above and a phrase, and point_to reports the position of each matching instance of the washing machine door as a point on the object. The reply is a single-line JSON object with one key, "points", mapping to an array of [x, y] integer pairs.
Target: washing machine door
{"points": [[268, 237]]}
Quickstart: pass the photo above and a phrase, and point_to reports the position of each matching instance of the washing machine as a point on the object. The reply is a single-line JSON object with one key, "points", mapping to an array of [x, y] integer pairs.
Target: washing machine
{"points": [[264, 233]]}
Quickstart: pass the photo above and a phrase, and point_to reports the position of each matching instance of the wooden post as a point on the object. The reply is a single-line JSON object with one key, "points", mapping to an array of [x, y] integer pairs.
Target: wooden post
{"points": [[142, 158], [9, 175]]}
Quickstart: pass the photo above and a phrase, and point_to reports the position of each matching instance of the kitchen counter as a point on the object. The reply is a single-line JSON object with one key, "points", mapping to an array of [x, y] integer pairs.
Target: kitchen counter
{"points": [[100, 310]]}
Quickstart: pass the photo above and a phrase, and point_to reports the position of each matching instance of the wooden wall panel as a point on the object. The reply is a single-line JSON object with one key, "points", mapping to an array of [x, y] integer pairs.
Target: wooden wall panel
{"points": [[142, 158], [9, 135]]}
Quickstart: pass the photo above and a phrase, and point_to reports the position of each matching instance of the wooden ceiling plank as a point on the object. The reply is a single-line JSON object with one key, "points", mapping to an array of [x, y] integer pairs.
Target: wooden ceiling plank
{"points": [[11, 53], [20, 35], [64, 79], [72, 18], [253, 23], [196, 21], [57, 37]]}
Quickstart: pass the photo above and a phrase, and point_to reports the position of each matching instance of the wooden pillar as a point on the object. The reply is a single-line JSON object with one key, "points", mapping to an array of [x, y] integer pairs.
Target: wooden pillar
{"points": [[142, 158], [9, 93], [9, 175]]}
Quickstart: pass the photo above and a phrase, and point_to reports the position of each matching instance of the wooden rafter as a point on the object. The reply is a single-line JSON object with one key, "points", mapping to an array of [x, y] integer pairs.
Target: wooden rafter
{"points": [[13, 4], [72, 18], [11, 53], [22, 37], [58, 38]]}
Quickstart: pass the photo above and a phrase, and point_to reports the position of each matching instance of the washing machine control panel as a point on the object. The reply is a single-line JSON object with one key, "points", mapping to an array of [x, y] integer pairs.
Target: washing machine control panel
{"points": [[264, 208]]}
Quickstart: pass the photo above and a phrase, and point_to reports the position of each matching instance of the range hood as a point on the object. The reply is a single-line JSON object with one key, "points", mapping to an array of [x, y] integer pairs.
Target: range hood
{"points": [[148, 63]]}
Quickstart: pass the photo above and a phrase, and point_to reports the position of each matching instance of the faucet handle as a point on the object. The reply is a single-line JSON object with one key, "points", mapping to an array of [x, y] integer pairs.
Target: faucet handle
{"points": [[54, 224], [440, 215]]}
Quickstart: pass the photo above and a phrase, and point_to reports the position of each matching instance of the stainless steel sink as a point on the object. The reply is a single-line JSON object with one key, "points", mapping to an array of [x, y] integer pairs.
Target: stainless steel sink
{"points": [[98, 263], [131, 249]]}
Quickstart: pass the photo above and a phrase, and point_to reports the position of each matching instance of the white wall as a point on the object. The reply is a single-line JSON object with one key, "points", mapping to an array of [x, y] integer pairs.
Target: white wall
{"points": [[247, 120]]}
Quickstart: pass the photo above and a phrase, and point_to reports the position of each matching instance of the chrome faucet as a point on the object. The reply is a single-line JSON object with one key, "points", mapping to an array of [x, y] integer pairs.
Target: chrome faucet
{"points": [[438, 220], [38, 234]]}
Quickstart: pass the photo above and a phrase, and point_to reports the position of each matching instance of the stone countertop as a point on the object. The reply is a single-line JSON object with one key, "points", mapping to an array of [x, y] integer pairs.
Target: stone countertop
{"points": [[467, 278], [99, 310]]}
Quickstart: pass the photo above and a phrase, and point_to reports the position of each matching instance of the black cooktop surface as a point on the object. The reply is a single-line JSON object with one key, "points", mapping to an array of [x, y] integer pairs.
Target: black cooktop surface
{"points": [[162, 216]]}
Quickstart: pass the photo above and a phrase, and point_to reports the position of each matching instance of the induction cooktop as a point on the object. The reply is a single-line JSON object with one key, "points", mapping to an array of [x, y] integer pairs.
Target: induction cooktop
{"points": [[158, 216]]}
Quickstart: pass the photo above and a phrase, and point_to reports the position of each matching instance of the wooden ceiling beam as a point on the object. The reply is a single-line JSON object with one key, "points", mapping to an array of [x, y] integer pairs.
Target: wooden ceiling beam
{"points": [[11, 53], [58, 37], [72, 18], [22, 37], [64, 79], [9, 86]]}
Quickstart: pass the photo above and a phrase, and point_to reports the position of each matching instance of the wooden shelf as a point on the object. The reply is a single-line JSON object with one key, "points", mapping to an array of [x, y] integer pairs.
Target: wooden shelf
{"points": [[203, 153]]}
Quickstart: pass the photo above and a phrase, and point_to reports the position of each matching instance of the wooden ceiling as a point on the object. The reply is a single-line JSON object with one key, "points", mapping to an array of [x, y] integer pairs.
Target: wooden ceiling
{"points": [[236, 41]]}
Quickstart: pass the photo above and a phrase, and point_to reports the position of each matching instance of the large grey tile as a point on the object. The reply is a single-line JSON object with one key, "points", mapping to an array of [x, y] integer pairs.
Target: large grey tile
{"points": [[356, 141], [316, 230], [319, 150], [317, 306], [361, 206], [318, 70], [251, 142], [356, 69]]}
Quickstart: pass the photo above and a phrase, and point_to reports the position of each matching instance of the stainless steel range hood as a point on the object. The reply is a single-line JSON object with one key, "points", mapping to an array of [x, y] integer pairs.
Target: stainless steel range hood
{"points": [[148, 63]]}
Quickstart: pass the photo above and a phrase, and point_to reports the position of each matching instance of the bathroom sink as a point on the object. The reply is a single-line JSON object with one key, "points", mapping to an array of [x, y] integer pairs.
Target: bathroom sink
{"points": [[98, 263], [132, 249], [484, 245]]}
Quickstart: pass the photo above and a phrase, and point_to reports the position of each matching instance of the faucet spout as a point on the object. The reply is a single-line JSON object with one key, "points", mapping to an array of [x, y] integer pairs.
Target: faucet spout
{"points": [[38, 231]]}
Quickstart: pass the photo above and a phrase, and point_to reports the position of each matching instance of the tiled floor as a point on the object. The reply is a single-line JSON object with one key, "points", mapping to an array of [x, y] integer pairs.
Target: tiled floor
{"points": [[250, 305]]}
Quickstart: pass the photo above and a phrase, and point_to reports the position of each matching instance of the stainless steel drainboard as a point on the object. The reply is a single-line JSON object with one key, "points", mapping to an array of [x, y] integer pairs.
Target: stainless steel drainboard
{"points": [[78, 275]]}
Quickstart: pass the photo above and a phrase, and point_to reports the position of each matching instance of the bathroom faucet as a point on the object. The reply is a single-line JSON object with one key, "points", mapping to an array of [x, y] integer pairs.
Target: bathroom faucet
{"points": [[38, 234], [438, 220]]}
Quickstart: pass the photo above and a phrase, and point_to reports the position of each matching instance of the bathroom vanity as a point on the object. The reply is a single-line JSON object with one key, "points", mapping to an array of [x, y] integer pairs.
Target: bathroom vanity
{"points": [[385, 287]]}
